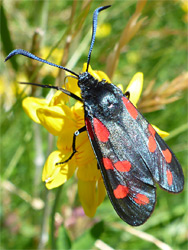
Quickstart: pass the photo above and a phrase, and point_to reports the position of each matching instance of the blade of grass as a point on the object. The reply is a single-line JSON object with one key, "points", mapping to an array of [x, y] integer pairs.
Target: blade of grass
{"points": [[6, 37], [15, 159], [145, 236], [177, 131]]}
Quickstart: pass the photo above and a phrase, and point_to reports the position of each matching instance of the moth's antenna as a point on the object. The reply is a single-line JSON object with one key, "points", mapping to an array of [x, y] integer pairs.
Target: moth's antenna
{"points": [[28, 54], [95, 17]]}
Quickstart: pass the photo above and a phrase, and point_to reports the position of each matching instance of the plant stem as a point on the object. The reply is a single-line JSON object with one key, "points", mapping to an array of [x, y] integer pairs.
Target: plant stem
{"points": [[45, 225], [54, 208]]}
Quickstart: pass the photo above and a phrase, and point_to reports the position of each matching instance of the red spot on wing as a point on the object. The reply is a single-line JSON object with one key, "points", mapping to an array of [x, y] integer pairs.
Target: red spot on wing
{"points": [[152, 144], [121, 192], [101, 131], [122, 166], [169, 177], [167, 155], [130, 108], [141, 199], [151, 130], [89, 128], [107, 164]]}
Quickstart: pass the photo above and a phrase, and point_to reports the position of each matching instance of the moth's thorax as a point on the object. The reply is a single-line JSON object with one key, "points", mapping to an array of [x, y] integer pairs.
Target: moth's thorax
{"points": [[100, 97]]}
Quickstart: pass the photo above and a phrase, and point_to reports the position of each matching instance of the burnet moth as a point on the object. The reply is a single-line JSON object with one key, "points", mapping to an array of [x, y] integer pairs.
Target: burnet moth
{"points": [[131, 156]]}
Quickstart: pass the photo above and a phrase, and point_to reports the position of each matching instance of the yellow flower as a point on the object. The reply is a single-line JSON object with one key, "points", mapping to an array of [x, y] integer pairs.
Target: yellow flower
{"points": [[184, 5], [103, 30], [63, 121]]}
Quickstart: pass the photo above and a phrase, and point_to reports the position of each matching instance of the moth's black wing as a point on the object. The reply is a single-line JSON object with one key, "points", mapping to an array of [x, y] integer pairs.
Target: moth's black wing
{"points": [[132, 156]]}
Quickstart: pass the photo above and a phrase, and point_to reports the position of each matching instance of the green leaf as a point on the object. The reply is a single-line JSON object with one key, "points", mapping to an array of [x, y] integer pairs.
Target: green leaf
{"points": [[6, 38], [87, 240], [63, 240]]}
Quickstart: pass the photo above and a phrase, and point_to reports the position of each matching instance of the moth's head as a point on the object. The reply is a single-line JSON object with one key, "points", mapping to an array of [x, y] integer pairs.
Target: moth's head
{"points": [[86, 81]]}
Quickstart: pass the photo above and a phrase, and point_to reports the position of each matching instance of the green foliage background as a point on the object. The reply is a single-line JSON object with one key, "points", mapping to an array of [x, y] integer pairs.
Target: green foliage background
{"points": [[159, 50]]}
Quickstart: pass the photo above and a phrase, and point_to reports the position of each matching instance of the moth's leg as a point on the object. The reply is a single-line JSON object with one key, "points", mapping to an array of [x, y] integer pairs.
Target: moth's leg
{"points": [[127, 94], [98, 166], [73, 144]]}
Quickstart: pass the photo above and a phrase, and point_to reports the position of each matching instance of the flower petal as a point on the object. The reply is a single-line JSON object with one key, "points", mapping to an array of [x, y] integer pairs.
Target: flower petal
{"points": [[89, 172], [120, 86], [99, 75], [71, 84], [85, 152], [30, 106], [101, 192], [91, 194], [90, 70], [135, 87], [102, 75], [56, 175], [78, 113], [59, 98], [55, 119], [160, 132], [87, 195], [64, 141]]}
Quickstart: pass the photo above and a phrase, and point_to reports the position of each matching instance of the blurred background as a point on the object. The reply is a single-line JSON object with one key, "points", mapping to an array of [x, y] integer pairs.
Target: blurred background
{"points": [[153, 41]]}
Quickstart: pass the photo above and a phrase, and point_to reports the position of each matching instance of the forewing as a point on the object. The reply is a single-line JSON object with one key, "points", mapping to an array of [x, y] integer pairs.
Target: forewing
{"points": [[127, 179], [131, 156]]}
